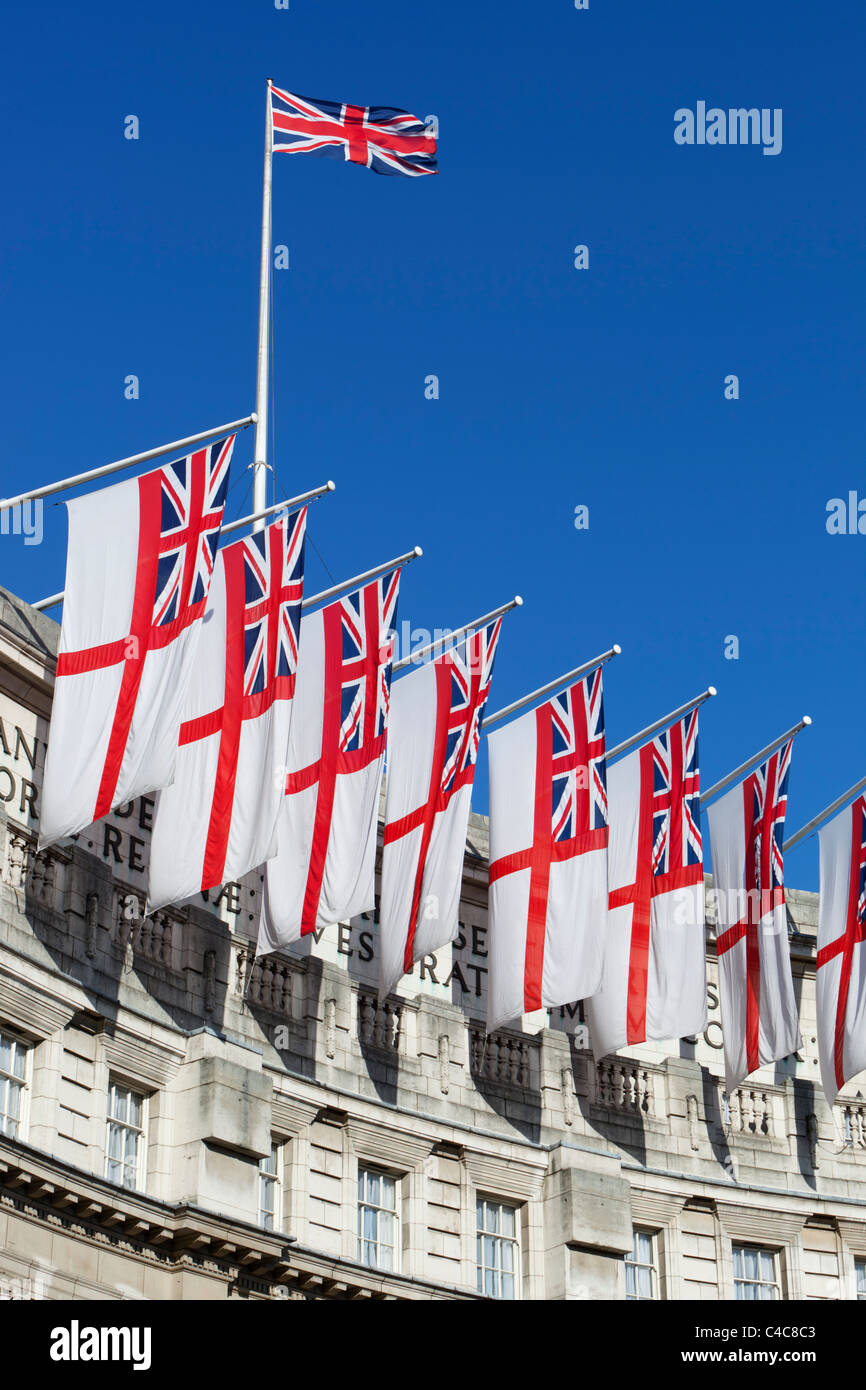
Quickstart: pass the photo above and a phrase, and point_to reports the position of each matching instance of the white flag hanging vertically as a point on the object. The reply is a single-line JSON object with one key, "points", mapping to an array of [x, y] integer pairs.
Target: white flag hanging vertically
{"points": [[654, 979], [432, 747], [218, 819], [759, 1012], [841, 978], [548, 855], [324, 869], [138, 571]]}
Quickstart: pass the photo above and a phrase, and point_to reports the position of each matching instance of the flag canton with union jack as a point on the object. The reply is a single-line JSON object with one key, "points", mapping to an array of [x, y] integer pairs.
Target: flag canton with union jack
{"points": [[192, 498], [769, 808], [273, 589], [578, 751], [384, 138], [676, 798], [471, 665], [367, 619], [860, 866]]}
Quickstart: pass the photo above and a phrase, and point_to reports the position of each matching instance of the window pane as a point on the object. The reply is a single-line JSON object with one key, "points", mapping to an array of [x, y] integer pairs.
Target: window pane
{"points": [[479, 1213], [750, 1261], [507, 1250], [768, 1266], [508, 1216], [492, 1217], [388, 1192], [134, 1109], [508, 1286]]}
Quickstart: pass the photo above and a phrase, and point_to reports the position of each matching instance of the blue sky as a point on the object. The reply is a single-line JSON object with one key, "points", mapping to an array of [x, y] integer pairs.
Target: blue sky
{"points": [[558, 387]]}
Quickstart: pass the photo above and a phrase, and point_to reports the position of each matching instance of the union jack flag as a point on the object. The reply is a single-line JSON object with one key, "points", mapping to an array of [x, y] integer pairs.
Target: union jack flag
{"points": [[273, 589], [367, 619], [192, 497], [386, 139], [769, 807], [579, 771], [471, 671], [676, 797]]}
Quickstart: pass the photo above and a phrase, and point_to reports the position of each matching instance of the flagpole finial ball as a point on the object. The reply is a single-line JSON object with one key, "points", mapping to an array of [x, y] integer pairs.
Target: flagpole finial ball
{"points": [[807, 719], [518, 601], [331, 486], [254, 419], [616, 649], [711, 690], [418, 551]]}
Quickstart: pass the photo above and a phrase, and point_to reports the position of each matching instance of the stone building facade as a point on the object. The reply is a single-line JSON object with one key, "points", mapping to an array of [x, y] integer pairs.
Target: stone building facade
{"points": [[179, 1120]]}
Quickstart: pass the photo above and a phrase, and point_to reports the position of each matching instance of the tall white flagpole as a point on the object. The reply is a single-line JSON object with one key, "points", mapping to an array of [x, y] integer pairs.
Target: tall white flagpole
{"points": [[260, 462]]}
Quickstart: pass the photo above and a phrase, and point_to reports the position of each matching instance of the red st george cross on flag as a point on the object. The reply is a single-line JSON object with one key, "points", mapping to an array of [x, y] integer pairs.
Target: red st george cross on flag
{"points": [[654, 980], [218, 819], [383, 138], [548, 854], [433, 746], [759, 1012], [841, 987], [138, 572], [324, 870]]}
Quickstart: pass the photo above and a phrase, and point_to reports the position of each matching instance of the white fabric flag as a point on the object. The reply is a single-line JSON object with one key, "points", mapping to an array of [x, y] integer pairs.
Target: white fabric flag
{"points": [[759, 1012], [218, 820], [325, 866], [841, 979], [548, 855], [654, 983], [432, 748], [138, 571]]}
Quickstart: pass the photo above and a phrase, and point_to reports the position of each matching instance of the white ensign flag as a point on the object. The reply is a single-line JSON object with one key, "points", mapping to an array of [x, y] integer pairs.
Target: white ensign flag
{"points": [[218, 820], [432, 748], [138, 571], [654, 980], [841, 980], [324, 870], [548, 855], [759, 1012]]}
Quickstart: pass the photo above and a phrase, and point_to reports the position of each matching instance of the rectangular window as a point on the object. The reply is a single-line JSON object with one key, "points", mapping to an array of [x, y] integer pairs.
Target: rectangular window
{"points": [[860, 1275], [641, 1274], [270, 1215], [756, 1275], [13, 1081], [125, 1144], [497, 1250], [377, 1219]]}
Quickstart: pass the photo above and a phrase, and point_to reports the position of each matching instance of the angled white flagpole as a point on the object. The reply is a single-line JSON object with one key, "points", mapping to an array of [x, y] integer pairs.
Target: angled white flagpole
{"points": [[364, 578], [662, 723], [175, 446], [420, 652], [745, 767], [260, 460], [841, 801], [548, 689], [290, 502]]}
